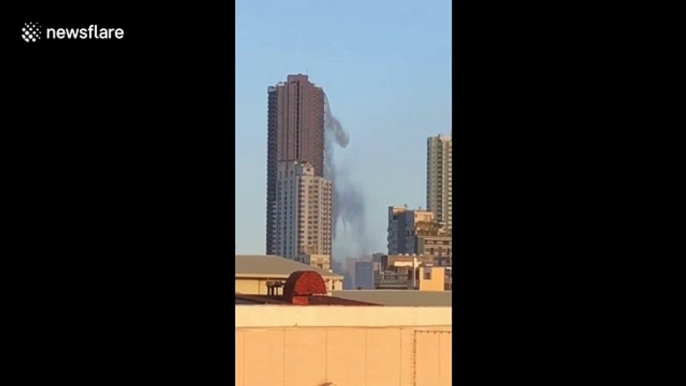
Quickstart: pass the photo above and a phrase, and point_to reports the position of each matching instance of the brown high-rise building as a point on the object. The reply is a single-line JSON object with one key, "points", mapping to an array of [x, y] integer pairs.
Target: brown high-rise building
{"points": [[295, 132]]}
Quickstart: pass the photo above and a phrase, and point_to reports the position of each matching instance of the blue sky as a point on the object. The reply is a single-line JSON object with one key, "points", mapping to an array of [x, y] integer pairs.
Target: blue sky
{"points": [[386, 69]]}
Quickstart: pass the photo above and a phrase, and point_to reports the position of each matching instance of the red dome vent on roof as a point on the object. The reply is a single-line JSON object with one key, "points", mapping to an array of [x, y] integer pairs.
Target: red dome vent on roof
{"points": [[304, 283]]}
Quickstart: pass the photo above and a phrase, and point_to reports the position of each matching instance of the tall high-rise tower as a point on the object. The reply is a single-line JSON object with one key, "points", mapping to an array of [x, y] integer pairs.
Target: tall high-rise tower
{"points": [[295, 132], [439, 183]]}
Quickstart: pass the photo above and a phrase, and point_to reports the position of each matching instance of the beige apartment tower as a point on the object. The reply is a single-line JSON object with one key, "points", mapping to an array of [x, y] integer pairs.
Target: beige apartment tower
{"points": [[439, 183], [302, 211]]}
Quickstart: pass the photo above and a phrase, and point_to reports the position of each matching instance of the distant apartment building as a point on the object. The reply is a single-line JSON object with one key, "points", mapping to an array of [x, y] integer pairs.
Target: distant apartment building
{"points": [[337, 267], [349, 277], [350, 265], [439, 191], [303, 211], [364, 274], [316, 261], [406, 260], [295, 132], [403, 225], [427, 278], [431, 278], [394, 278], [381, 259], [435, 245], [413, 272]]}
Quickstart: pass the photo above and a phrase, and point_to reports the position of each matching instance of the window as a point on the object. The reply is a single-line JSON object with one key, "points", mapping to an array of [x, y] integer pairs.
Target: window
{"points": [[427, 273]]}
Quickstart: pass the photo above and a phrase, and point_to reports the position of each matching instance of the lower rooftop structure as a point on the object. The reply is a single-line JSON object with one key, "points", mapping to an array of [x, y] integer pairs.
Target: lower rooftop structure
{"points": [[401, 298], [302, 288], [255, 273]]}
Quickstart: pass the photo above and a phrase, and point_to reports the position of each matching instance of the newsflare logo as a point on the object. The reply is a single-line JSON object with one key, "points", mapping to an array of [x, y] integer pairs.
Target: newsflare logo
{"points": [[32, 32]]}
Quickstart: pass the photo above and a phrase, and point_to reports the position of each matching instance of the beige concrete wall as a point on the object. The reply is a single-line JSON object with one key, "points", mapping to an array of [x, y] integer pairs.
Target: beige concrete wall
{"points": [[310, 346], [251, 286], [437, 281], [313, 356], [258, 316], [337, 285]]}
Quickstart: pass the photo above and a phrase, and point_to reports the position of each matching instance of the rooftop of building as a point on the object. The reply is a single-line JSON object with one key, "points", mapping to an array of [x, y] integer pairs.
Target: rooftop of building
{"points": [[403, 209], [305, 288], [274, 267], [276, 316], [294, 78], [399, 298], [315, 300]]}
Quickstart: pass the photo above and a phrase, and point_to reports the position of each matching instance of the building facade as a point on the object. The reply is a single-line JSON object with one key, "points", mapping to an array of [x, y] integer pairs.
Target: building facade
{"points": [[381, 259], [316, 261], [420, 272], [431, 278], [349, 277], [364, 274], [439, 193], [435, 245], [295, 132], [403, 226], [303, 211]]}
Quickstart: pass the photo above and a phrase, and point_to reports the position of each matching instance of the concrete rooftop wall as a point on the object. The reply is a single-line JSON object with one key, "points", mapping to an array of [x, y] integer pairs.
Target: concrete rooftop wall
{"points": [[341, 316], [347, 346]]}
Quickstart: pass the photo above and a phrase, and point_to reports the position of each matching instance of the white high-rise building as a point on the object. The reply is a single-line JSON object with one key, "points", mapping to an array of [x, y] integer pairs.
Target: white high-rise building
{"points": [[303, 211], [439, 183]]}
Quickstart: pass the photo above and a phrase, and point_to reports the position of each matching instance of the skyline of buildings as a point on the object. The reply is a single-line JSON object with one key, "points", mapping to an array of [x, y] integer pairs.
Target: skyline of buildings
{"points": [[294, 329], [427, 231], [414, 231], [300, 204]]}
